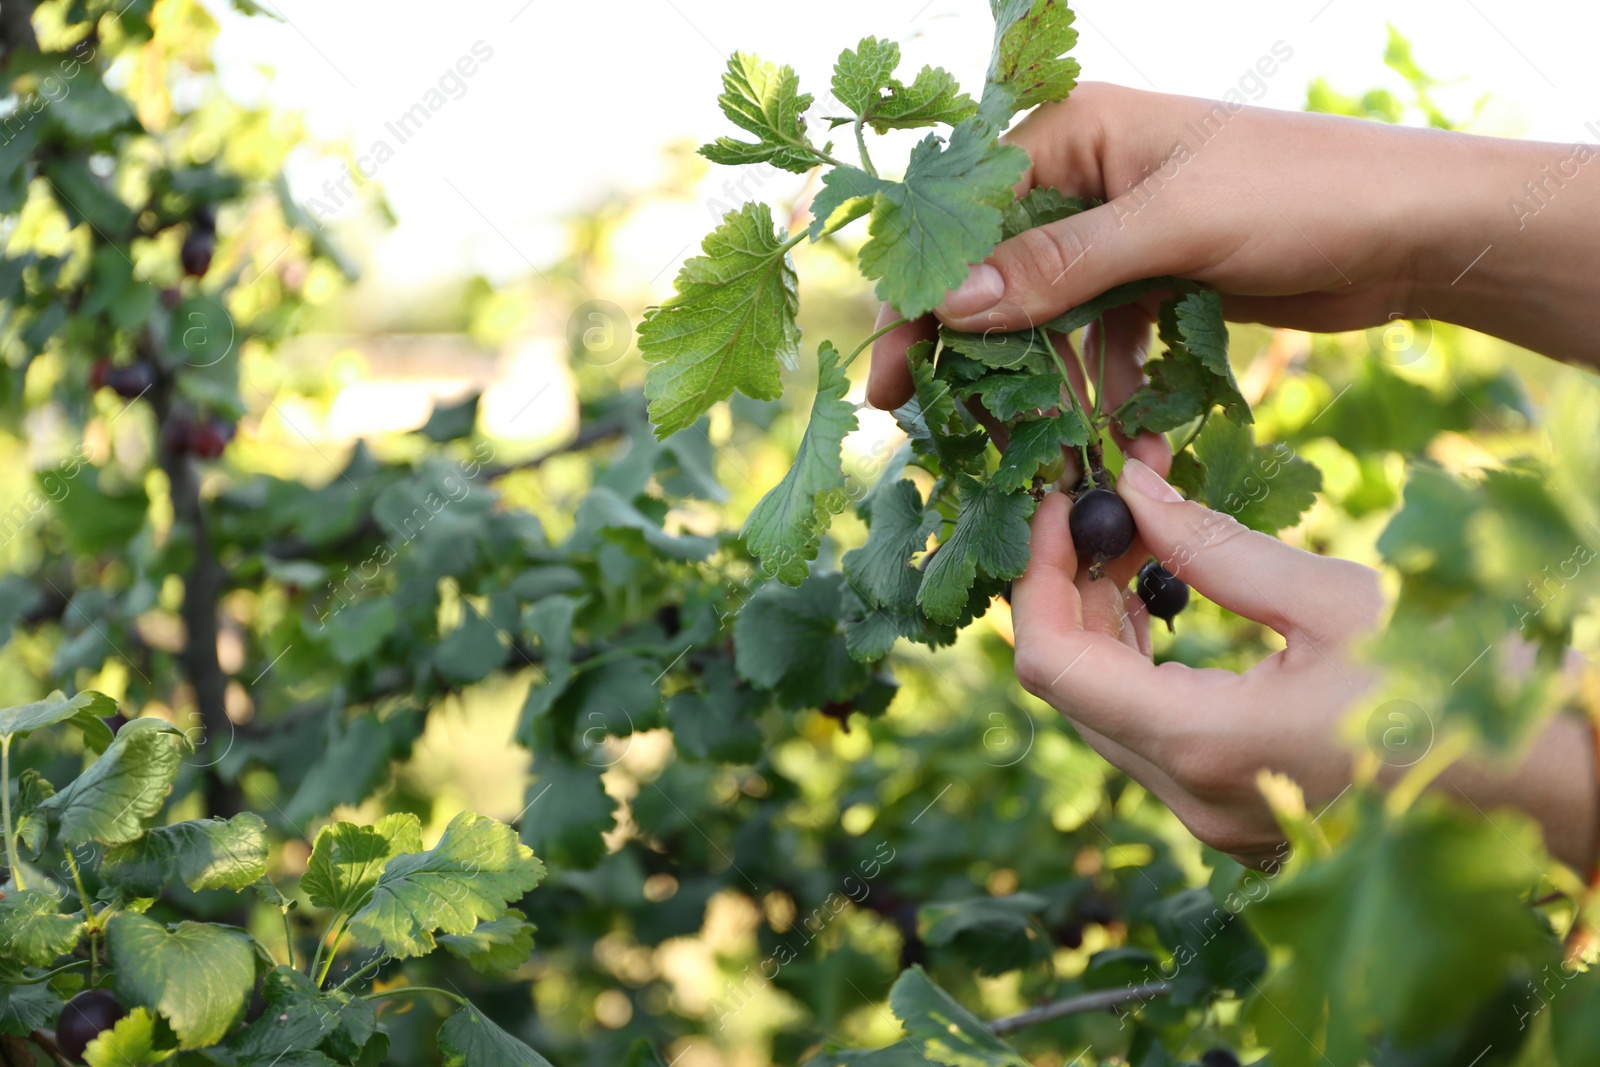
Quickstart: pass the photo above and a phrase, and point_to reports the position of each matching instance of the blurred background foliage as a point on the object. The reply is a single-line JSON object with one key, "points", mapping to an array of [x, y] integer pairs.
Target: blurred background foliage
{"points": [[965, 827]]}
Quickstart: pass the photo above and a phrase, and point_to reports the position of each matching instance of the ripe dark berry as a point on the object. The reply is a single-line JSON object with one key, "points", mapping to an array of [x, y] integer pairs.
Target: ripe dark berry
{"points": [[1102, 528], [210, 438], [86, 1017], [131, 381], [113, 723], [1164, 596], [195, 255], [100, 373], [1219, 1057]]}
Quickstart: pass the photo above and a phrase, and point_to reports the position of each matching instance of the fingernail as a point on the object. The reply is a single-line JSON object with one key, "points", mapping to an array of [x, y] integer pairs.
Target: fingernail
{"points": [[1147, 483], [981, 291]]}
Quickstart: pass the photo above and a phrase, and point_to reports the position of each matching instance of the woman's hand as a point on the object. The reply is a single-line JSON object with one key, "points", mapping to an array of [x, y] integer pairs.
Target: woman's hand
{"points": [[1197, 738], [1314, 222]]}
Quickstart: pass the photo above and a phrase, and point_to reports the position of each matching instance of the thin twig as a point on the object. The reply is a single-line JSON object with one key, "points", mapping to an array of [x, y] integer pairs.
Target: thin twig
{"points": [[1084, 1002], [51, 1049]]}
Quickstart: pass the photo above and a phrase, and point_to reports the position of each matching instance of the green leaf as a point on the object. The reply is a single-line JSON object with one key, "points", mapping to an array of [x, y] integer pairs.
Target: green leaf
{"points": [[470, 652], [355, 759], [1266, 487], [785, 528], [1031, 39], [195, 975], [1033, 442], [643, 1054], [1126, 293], [718, 721], [1192, 376], [943, 216], [991, 534], [880, 571], [26, 1008], [861, 77], [791, 641], [131, 1042], [946, 1032], [347, 859], [1006, 396], [297, 1021], [85, 107], [33, 930], [765, 100], [730, 326], [356, 632], [32, 825], [494, 947], [83, 711], [1373, 932], [201, 853], [1039, 206], [604, 516], [864, 82], [451, 422], [993, 934], [110, 800], [1575, 1020], [936, 426], [83, 197], [1204, 331], [1022, 350], [469, 1039], [474, 871], [567, 812]]}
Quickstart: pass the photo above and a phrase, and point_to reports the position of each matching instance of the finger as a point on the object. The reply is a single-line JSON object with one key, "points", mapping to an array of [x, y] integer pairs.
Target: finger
{"points": [[1095, 678], [1042, 272], [1296, 593], [889, 379], [1126, 332]]}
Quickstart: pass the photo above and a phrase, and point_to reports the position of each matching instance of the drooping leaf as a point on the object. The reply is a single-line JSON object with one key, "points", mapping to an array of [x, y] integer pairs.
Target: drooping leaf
{"points": [[792, 642], [469, 1039], [355, 760], [1020, 350], [942, 1029], [991, 534], [127, 784], [943, 216], [83, 711], [785, 528], [1035, 441], [33, 825], [765, 100], [197, 976], [880, 571], [1031, 39], [347, 859], [200, 853], [475, 870], [32, 929], [494, 947], [730, 326]]}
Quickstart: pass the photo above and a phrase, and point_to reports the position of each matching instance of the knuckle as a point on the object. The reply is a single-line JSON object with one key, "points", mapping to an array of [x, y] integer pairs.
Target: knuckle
{"points": [[1032, 672], [1048, 253]]}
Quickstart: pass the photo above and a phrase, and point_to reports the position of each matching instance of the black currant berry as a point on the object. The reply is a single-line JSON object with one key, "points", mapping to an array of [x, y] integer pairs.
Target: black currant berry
{"points": [[196, 253], [1102, 528], [1164, 596], [1219, 1057], [131, 381], [86, 1017]]}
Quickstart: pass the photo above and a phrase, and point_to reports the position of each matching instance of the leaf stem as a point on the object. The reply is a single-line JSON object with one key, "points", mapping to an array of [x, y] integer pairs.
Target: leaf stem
{"points": [[1100, 374], [360, 973], [1072, 395], [1194, 433], [327, 964], [861, 147], [5, 813], [418, 989], [88, 915], [1096, 1001], [288, 937], [864, 345], [46, 976]]}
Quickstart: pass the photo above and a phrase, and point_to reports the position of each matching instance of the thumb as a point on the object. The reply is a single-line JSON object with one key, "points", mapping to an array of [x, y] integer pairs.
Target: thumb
{"points": [[1247, 572], [1044, 271]]}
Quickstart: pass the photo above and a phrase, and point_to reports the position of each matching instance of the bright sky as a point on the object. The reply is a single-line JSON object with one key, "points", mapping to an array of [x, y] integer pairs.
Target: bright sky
{"points": [[570, 102]]}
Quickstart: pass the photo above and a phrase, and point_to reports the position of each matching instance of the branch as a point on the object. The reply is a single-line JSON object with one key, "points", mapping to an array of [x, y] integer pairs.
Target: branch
{"points": [[591, 434], [1097, 1001], [51, 1049]]}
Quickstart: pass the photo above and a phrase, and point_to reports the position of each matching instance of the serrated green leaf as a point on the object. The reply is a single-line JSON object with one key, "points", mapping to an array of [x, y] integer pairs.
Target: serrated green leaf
{"points": [[26, 1008], [786, 526], [469, 1039], [993, 934], [718, 721], [765, 100], [1078, 317], [110, 800], [1039, 206], [475, 870], [567, 812], [196, 976], [347, 859], [131, 1042], [943, 216], [1006, 396], [297, 1021], [1204, 331], [1266, 487], [1031, 39], [791, 641], [991, 534], [942, 1029], [880, 571], [604, 516], [1036, 441], [1027, 351], [83, 711], [730, 326], [936, 426], [200, 853], [1185, 382], [32, 929], [934, 96], [494, 947], [860, 77]]}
